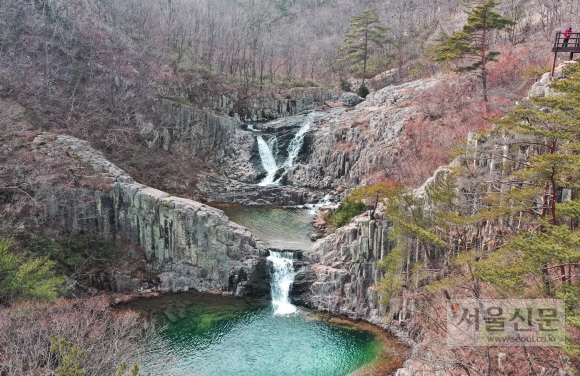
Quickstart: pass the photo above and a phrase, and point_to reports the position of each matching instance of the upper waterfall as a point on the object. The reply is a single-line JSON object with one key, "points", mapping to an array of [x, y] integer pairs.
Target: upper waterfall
{"points": [[268, 161], [296, 145], [277, 163]]}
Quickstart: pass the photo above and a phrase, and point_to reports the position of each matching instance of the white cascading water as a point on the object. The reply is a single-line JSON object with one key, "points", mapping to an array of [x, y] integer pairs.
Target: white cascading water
{"points": [[324, 203], [281, 278], [296, 144], [268, 161]]}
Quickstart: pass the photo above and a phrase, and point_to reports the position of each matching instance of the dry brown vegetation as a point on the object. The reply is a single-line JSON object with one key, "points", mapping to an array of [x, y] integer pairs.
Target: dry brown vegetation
{"points": [[453, 107], [432, 354], [107, 336]]}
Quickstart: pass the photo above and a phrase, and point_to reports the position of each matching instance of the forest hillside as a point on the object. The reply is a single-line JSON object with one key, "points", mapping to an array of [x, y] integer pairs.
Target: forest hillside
{"points": [[94, 94]]}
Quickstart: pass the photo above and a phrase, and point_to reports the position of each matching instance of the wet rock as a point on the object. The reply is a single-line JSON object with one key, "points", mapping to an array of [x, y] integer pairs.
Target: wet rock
{"points": [[219, 189]]}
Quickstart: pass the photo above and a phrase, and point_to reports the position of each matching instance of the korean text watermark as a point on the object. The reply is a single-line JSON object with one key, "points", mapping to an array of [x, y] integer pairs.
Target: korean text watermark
{"points": [[506, 322]]}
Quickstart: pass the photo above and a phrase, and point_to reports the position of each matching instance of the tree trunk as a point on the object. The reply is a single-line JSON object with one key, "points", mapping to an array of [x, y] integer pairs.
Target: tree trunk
{"points": [[365, 59], [483, 58]]}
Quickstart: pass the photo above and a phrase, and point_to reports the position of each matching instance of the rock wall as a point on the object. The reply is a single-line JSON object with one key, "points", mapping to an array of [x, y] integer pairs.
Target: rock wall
{"points": [[267, 104], [192, 246], [215, 134], [215, 188], [342, 275], [216, 139], [350, 144]]}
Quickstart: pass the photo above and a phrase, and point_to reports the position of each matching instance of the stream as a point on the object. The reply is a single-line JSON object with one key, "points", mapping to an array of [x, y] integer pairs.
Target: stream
{"points": [[204, 334]]}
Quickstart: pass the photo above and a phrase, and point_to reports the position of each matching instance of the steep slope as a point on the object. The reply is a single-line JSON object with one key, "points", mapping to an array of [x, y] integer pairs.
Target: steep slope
{"points": [[472, 238], [187, 245]]}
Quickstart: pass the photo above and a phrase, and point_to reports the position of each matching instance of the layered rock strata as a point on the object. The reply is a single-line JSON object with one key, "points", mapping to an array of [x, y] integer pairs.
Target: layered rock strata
{"points": [[192, 246], [348, 145]]}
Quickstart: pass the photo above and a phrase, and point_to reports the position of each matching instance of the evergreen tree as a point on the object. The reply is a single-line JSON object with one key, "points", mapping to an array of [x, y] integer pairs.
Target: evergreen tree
{"points": [[471, 43], [365, 29], [549, 131], [124, 371], [32, 279], [69, 357]]}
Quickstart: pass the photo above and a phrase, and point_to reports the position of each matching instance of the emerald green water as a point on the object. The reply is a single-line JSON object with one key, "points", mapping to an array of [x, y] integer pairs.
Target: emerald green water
{"points": [[217, 335], [279, 228]]}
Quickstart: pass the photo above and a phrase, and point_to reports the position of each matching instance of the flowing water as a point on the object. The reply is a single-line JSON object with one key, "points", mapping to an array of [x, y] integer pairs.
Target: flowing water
{"points": [[269, 152], [281, 277], [217, 335], [268, 161]]}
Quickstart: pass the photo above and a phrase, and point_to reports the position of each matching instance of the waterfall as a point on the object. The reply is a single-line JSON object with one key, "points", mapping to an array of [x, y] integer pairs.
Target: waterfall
{"points": [[281, 278], [324, 203], [268, 161], [268, 152], [296, 145]]}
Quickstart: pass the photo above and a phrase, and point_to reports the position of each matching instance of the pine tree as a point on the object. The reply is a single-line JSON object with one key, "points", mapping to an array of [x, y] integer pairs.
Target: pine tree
{"points": [[365, 29], [69, 357], [471, 43], [545, 247], [27, 279]]}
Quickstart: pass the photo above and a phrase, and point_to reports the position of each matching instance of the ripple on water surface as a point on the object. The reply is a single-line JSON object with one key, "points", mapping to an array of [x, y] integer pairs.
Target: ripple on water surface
{"points": [[279, 228], [215, 335]]}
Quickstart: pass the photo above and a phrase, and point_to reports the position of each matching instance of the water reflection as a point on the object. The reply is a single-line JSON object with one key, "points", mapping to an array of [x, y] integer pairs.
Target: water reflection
{"points": [[279, 228]]}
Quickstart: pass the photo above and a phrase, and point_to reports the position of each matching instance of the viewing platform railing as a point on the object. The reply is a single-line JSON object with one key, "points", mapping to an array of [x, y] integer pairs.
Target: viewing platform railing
{"points": [[561, 44]]}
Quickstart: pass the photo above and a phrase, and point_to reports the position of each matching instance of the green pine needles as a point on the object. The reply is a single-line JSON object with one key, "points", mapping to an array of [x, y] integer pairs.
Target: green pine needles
{"points": [[365, 30], [471, 44], [23, 279]]}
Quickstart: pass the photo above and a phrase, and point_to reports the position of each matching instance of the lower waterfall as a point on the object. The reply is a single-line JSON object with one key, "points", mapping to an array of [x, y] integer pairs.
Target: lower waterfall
{"points": [[281, 278]]}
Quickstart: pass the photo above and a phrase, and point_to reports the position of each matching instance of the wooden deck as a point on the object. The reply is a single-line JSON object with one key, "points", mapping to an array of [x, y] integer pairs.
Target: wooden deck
{"points": [[570, 45]]}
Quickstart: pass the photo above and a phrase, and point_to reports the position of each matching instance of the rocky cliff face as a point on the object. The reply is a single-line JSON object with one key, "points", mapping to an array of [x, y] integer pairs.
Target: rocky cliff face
{"points": [[216, 139], [192, 246], [264, 105], [214, 134], [348, 145], [343, 273]]}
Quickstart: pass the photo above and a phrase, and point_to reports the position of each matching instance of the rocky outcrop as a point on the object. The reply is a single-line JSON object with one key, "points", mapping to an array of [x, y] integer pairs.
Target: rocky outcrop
{"points": [[192, 247], [216, 134], [541, 88], [350, 99], [348, 145], [217, 139], [343, 274], [215, 188], [267, 104]]}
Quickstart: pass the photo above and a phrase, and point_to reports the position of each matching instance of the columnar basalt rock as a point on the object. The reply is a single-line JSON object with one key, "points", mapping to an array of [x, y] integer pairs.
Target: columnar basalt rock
{"points": [[217, 139], [215, 134], [215, 188], [343, 275], [348, 145], [191, 245]]}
